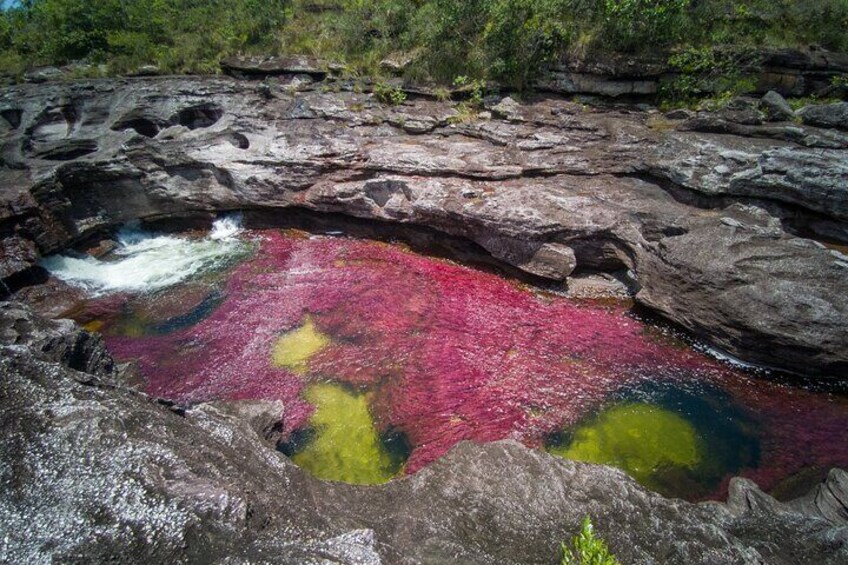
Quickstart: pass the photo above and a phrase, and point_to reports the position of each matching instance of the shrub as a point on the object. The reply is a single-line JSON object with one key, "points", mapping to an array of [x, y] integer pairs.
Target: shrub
{"points": [[521, 36], [705, 71], [587, 549], [631, 25], [180, 35]]}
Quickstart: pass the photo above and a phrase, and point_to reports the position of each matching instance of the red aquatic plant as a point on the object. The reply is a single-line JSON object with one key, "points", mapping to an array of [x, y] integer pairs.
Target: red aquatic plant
{"points": [[449, 352]]}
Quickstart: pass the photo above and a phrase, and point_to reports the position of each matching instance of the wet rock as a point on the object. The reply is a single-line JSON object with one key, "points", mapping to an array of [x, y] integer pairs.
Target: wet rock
{"points": [[58, 341], [96, 472], [776, 107], [826, 115]]}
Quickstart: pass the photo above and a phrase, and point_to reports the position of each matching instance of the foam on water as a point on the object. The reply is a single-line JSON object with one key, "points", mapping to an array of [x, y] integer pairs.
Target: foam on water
{"points": [[147, 262]]}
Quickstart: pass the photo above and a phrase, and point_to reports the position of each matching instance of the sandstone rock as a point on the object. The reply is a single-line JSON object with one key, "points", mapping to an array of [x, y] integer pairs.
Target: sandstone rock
{"points": [[620, 195], [826, 115], [263, 417], [776, 107], [398, 62], [582, 83], [251, 67], [17, 255], [56, 341]]}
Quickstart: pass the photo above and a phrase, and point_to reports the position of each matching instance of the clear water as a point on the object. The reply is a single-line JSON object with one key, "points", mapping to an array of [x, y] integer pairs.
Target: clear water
{"points": [[385, 359]]}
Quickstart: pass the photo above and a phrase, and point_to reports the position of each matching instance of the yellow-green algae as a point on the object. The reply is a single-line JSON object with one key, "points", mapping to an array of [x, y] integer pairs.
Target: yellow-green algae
{"points": [[642, 439], [294, 349], [346, 446]]}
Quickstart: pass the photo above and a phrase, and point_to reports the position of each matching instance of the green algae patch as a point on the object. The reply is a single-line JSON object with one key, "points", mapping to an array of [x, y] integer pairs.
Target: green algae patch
{"points": [[644, 440], [294, 349], [346, 445]]}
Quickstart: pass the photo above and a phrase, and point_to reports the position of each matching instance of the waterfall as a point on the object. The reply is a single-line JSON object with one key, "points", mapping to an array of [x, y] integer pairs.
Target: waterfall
{"points": [[145, 262]]}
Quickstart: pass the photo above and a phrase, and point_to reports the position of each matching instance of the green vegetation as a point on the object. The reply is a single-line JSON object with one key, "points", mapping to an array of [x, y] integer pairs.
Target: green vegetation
{"points": [[388, 94], [644, 440], [587, 549], [505, 40], [346, 445], [294, 349], [177, 35], [468, 109], [707, 72]]}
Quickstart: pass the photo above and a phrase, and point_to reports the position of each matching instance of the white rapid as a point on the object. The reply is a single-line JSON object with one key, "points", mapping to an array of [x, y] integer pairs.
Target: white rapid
{"points": [[145, 262]]}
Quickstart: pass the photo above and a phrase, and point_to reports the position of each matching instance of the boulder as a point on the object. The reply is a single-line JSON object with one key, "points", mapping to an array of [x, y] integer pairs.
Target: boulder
{"points": [[680, 114], [776, 107], [397, 63], [826, 115], [146, 71], [507, 109]]}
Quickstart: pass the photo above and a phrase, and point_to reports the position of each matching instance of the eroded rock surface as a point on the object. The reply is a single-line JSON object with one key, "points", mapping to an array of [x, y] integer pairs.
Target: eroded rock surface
{"points": [[96, 471], [705, 219]]}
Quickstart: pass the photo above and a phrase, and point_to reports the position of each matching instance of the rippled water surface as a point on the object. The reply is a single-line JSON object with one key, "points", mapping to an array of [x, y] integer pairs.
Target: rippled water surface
{"points": [[385, 359]]}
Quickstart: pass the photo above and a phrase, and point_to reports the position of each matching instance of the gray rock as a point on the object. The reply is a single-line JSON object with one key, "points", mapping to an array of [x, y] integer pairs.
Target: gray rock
{"points": [[398, 62], [826, 115], [584, 83], [507, 109], [252, 67], [58, 341], [96, 472], [776, 107], [680, 114], [614, 192], [43, 74], [146, 71]]}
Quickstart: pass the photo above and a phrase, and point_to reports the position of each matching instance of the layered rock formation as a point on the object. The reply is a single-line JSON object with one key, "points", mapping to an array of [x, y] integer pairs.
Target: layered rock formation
{"points": [[706, 219], [95, 471], [790, 72]]}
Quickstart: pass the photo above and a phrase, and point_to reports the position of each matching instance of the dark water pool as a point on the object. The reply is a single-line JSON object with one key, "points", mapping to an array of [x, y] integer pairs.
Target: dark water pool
{"points": [[385, 359]]}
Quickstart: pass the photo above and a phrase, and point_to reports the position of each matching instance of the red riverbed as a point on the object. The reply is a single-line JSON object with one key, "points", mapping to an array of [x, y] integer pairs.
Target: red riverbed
{"points": [[451, 353]]}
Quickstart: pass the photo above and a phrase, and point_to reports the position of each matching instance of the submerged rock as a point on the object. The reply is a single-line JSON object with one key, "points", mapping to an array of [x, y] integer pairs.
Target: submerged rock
{"points": [[96, 471]]}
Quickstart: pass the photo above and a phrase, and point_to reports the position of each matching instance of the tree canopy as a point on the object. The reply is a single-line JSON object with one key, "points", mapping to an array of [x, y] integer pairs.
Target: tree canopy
{"points": [[507, 40]]}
